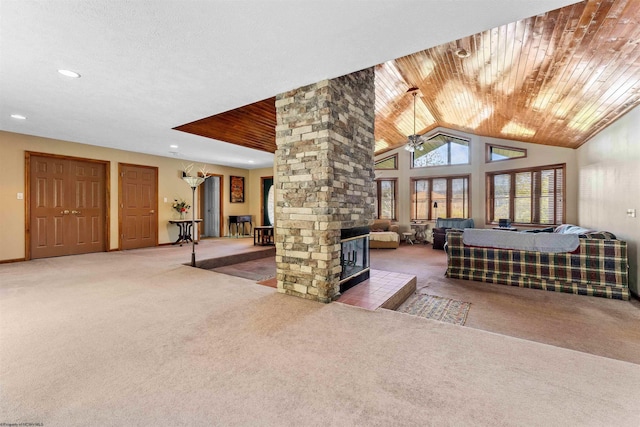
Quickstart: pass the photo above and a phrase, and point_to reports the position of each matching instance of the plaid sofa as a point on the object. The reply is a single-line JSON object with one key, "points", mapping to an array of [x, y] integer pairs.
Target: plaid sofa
{"points": [[597, 268]]}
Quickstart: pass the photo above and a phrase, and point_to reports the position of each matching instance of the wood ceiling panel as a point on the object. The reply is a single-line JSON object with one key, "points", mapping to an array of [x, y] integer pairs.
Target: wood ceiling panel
{"points": [[252, 126], [556, 79]]}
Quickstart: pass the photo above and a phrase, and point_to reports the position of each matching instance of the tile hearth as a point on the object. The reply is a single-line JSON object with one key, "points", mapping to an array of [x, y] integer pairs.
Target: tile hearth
{"points": [[383, 289]]}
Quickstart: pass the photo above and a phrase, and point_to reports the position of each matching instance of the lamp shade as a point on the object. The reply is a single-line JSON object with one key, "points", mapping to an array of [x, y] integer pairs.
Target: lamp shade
{"points": [[193, 181]]}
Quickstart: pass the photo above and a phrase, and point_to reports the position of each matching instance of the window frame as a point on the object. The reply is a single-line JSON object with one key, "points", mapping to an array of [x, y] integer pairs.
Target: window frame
{"points": [[384, 159], [490, 195], [490, 146], [395, 197], [435, 135], [447, 210]]}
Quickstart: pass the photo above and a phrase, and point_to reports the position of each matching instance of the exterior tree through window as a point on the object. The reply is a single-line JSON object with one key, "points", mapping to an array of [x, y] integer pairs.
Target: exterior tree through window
{"points": [[440, 150], [386, 205], [450, 193]]}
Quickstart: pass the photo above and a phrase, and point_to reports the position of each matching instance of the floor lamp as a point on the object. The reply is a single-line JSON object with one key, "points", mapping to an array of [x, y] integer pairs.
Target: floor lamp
{"points": [[194, 182]]}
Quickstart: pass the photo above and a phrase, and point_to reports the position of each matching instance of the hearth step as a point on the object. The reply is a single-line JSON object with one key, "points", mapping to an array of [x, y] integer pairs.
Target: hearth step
{"points": [[209, 264], [383, 289]]}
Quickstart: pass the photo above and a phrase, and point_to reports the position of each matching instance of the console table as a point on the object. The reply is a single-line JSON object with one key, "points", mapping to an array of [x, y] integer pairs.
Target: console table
{"points": [[240, 221], [184, 230], [263, 235]]}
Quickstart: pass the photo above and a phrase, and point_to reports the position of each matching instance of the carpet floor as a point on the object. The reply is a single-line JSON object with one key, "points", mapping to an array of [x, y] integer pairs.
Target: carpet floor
{"points": [[128, 338], [597, 326], [593, 325]]}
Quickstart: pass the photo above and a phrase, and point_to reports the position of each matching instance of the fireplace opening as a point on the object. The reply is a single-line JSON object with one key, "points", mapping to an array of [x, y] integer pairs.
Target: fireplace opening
{"points": [[354, 256]]}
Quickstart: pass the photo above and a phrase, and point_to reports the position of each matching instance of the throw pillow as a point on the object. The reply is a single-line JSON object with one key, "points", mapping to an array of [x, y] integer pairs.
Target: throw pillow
{"points": [[572, 229], [604, 235]]}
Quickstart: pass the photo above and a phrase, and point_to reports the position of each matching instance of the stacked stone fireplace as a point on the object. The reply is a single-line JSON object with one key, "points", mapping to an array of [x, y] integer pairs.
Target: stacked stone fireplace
{"points": [[324, 180]]}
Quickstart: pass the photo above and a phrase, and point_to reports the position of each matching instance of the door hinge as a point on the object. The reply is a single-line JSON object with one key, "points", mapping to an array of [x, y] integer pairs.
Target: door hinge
{"points": [[122, 174]]}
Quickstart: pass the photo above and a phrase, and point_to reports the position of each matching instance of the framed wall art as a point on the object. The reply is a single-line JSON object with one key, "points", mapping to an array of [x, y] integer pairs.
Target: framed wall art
{"points": [[237, 189]]}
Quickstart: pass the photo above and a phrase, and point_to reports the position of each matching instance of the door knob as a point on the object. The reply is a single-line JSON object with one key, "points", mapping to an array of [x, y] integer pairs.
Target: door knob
{"points": [[76, 212], [64, 212], [152, 211]]}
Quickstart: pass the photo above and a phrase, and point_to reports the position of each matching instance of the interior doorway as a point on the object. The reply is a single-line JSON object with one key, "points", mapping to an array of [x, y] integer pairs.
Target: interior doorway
{"points": [[268, 203], [67, 205], [211, 206], [138, 203]]}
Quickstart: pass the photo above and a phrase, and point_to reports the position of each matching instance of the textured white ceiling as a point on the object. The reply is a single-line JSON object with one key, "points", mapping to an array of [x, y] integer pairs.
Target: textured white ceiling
{"points": [[148, 66]]}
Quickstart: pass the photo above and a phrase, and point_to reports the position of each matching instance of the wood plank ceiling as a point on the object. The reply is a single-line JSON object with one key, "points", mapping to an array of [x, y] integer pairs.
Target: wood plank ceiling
{"points": [[556, 79], [252, 126]]}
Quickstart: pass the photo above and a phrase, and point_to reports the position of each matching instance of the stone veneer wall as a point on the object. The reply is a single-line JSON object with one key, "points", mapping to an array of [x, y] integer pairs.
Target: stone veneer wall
{"points": [[324, 179]]}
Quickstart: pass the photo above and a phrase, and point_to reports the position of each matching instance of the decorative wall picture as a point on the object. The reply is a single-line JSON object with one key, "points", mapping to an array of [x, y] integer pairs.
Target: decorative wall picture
{"points": [[237, 189]]}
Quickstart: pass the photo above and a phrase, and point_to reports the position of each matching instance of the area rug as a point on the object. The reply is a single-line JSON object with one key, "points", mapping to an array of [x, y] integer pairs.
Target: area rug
{"points": [[436, 308]]}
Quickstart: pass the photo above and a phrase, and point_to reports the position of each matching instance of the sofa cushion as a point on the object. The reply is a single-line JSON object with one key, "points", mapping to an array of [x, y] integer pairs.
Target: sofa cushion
{"points": [[384, 236], [459, 223], [542, 242]]}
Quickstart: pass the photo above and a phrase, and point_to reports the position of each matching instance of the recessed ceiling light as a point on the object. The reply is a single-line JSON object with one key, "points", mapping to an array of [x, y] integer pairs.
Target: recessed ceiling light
{"points": [[69, 73], [251, 161], [18, 117], [173, 146]]}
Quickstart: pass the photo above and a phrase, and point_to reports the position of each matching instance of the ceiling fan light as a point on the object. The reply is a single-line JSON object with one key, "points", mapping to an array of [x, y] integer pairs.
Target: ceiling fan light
{"points": [[413, 140]]}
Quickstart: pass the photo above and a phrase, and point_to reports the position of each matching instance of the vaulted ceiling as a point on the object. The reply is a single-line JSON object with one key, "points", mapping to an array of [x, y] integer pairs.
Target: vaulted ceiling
{"points": [[557, 78]]}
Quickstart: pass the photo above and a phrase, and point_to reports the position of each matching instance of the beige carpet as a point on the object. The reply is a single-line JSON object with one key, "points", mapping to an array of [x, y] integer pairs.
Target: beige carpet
{"points": [[124, 339], [592, 325]]}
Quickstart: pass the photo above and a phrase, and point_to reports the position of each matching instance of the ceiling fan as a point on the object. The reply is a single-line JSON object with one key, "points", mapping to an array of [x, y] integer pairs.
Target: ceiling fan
{"points": [[414, 141]]}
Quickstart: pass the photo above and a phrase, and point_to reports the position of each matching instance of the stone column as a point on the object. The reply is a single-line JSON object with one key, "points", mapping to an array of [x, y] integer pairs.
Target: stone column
{"points": [[324, 179]]}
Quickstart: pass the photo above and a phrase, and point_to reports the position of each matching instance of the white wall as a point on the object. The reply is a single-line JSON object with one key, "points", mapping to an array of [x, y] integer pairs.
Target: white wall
{"points": [[609, 184], [537, 155]]}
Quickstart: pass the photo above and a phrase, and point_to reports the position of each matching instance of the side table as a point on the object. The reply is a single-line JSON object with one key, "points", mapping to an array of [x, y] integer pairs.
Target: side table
{"points": [[184, 230], [408, 236], [263, 235], [240, 221]]}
